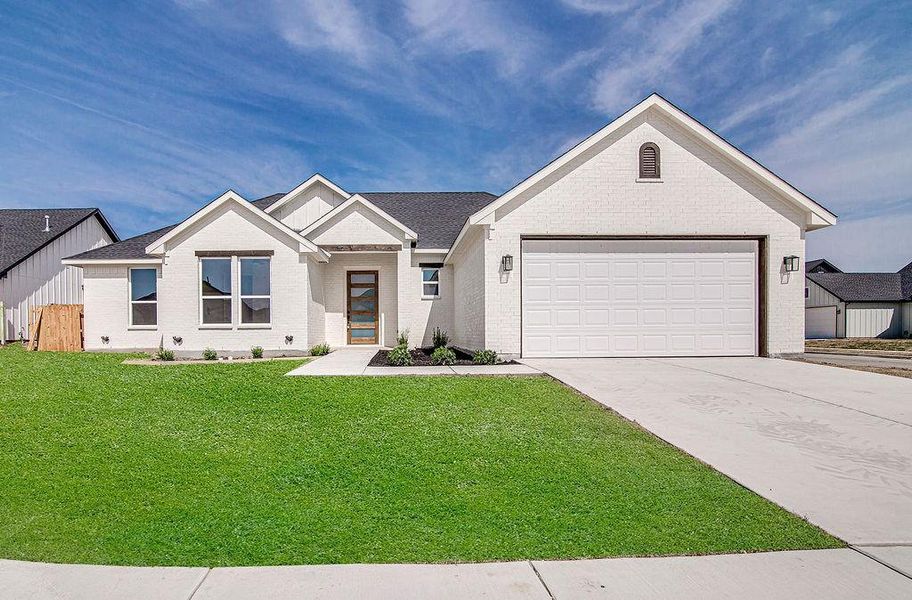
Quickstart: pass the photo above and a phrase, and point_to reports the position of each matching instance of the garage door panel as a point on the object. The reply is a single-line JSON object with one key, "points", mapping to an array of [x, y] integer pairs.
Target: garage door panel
{"points": [[639, 298]]}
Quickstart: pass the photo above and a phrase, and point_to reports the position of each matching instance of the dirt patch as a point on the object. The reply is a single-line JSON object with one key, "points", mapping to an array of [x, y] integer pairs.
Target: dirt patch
{"points": [[894, 371], [861, 344], [421, 357]]}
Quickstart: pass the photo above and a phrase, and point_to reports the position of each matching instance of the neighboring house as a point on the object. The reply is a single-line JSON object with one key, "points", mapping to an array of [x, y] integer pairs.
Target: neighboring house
{"points": [[32, 243], [652, 237], [841, 304], [821, 265]]}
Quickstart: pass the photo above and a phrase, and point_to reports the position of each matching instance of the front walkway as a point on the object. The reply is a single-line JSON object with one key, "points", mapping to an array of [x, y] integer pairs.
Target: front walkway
{"points": [[832, 574], [354, 360], [831, 445]]}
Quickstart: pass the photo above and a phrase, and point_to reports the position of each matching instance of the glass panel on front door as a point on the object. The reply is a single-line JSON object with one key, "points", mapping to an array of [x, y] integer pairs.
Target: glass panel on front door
{"points": [[362, 305]]}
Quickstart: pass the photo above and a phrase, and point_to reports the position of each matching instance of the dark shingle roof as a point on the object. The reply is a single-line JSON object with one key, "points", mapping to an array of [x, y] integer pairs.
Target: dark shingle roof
{"points": [[264, 203], [130, 248], [437, 217], [821, 265], [22, 230], [862, 287]]}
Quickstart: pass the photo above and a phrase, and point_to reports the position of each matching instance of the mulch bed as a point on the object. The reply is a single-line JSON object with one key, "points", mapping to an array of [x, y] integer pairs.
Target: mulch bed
{"points": [[421, 357]]}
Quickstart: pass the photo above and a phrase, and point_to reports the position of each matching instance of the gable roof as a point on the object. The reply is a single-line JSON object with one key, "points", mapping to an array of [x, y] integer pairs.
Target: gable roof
{"points": [[436, 216], [822, 265], [818, 215], [134, 248], [314, 179], [22, 230], [304, 245], [359, 199], [864, 287]]}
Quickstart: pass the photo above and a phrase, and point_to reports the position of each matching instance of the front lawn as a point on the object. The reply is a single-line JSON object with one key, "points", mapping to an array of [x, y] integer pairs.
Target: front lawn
{"points": [[861, 344], [234, 464]]}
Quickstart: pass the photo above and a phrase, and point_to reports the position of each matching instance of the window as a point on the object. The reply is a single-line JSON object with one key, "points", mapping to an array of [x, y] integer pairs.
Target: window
{"points": [[215, 291], [649, 161], [143, 298], [430, 282], [255, 300], [807, 292]]}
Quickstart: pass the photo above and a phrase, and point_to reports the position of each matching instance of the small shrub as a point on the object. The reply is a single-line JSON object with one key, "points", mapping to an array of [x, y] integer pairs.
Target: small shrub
{"points": [[443, 356], [210, 354], [163, 354], [485, 357], [441, 339], [400, 356], [257, 352], [402, 338], [320, 350]]}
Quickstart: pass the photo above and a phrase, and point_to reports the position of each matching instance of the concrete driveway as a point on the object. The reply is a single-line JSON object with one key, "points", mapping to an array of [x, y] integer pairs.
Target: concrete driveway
{"points": [[832, 445]]}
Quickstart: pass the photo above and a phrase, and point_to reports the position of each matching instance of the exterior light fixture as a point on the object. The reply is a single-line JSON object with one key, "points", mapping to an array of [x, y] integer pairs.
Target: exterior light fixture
{"points": [[791, 263], [506, 263]]}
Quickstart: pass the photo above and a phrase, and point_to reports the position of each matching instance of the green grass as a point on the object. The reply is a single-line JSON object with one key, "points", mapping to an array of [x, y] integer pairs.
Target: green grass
{"points": [[217, 464], [862, 344]]}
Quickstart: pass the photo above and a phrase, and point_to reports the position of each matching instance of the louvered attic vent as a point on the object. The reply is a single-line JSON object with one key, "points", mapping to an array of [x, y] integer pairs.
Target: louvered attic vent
{"points": [[649, 161]]}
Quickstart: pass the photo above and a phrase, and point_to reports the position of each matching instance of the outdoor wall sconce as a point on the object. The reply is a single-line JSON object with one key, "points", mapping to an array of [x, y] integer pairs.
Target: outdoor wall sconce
{"points": [[178, 340], [506, 263], [289, 339], [105, 339], [791, 263]]}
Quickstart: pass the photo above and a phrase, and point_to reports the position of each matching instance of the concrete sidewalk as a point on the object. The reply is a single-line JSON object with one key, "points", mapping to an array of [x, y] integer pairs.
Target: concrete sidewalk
{"points": [[833, 574], [353, 361]]}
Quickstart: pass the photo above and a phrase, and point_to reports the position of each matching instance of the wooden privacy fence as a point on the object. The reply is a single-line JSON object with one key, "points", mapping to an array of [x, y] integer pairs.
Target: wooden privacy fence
{"points": [[56, 327]]}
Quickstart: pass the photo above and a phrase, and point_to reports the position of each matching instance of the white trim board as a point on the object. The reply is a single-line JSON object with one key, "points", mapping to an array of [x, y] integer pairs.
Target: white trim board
{"points": [[314, 179], [304, 245], [359, 199]]}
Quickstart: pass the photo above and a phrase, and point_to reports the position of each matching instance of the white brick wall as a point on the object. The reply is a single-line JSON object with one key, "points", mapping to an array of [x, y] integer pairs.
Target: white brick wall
{"points": [[469, 292], [701, 194], [334, 293], [106, 291], [420, 316]]}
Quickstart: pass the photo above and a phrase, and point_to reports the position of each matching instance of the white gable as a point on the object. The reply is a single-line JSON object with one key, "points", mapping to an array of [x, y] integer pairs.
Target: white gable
{"points": [[308, 205], [356, 224]]}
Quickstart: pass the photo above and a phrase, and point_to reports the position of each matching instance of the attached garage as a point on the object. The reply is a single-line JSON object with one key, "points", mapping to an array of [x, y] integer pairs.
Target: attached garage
{"points": [[605, 298]]}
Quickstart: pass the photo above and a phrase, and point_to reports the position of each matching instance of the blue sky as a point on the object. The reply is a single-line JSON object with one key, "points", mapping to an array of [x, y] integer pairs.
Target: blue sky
{"points": [[149, 110]]}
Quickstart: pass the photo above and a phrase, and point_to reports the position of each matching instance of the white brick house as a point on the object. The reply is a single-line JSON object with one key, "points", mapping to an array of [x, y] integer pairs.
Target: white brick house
{"points": [[652, 237]]}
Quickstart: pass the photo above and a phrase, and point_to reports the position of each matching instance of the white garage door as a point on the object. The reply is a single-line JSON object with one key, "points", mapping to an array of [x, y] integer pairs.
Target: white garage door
{"points": [[820, 322], [639, 298]]}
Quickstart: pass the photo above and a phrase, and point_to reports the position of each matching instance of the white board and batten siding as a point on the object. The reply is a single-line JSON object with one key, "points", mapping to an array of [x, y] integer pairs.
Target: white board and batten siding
{"points": [[873, 319], [42, 279], [604, 298]]}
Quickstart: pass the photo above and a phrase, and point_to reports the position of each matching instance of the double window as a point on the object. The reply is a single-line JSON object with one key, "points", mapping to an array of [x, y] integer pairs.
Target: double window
{"points": [[218, 296], [143, 298], [430, 281]]}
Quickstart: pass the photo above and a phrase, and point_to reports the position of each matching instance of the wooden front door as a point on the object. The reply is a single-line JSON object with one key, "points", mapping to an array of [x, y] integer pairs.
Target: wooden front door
{"points": [[361, 294]]}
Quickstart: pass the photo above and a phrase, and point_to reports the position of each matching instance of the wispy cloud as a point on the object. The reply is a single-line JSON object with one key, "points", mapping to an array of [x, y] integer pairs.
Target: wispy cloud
{"points": [[335, 25], [604, 7], [153, 109], [650, 64], [467, 26]]}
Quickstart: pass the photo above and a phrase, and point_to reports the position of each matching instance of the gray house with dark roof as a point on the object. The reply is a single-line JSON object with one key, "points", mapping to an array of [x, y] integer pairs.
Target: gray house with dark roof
{"points": [[32, 243], [841, 304]]}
